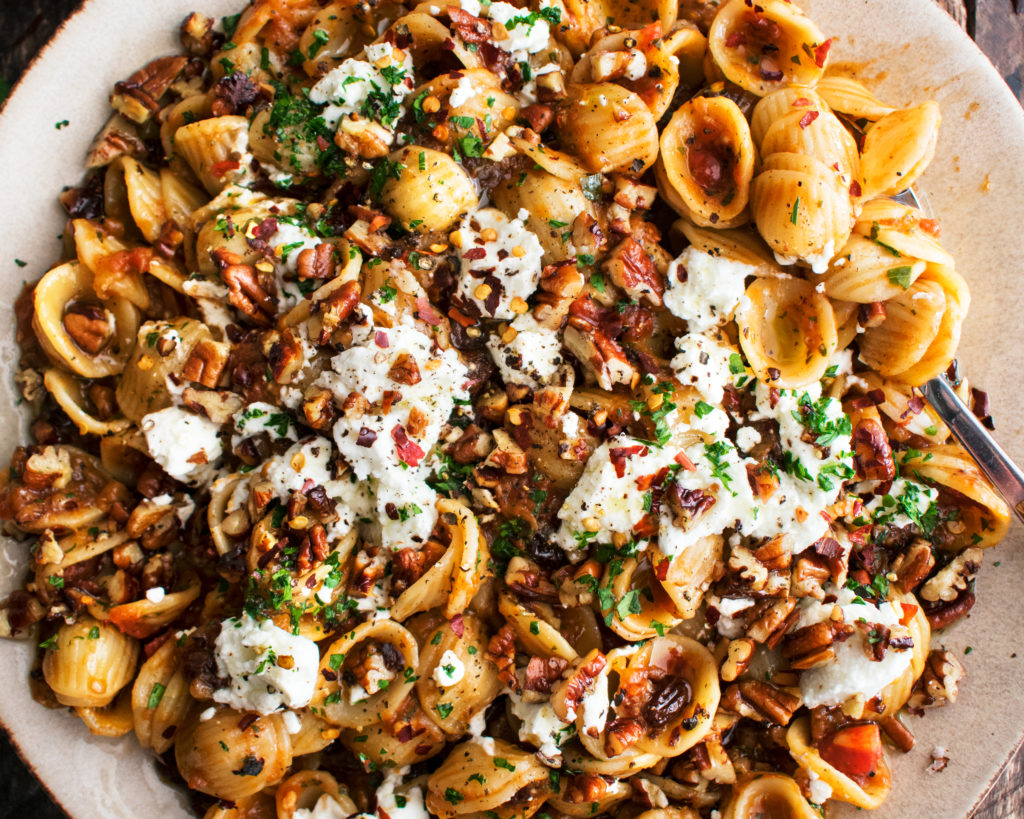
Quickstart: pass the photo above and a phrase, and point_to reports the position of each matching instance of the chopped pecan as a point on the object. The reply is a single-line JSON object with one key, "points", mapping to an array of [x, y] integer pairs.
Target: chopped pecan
{"points": [[568, 694], [336, 308], [138, 97], [245, 292], [953, 578], [89, 327], [809, 574], [118, 138], [49, 468], [602, 357], [197, 35], [912, 566], [472, 446], [234, 93], [541, 672], [939, 682], [405, 370], [900, 735], [285, 355], [501, 650], [507, 455], [812, 645], [206, 362], [633, 195], [760, 701], [872, 454], [563, 280], [769, 627], [632, 269], [621, 734], [316, 262], [737, 658], [585, 788], [318, 408], [538, 115], [871, 315], [372, 241]]}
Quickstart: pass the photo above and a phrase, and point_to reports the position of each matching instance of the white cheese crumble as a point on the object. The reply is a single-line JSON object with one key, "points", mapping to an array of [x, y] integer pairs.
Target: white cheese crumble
{"points": [[361, 87], [523, 36], [851, 672], [249, 653], [820, 790], [500, 262], [186, 445], [531, 358], [595, 706], [326, 807], [156, 594], [450, 670], [259, 417], [703, 363], [463, 92], [731, 624], [711, 292], [542, 728]]}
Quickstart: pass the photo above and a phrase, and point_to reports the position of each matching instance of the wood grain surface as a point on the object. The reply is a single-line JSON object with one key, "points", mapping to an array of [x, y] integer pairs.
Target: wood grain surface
{"points": [[25, 25]]}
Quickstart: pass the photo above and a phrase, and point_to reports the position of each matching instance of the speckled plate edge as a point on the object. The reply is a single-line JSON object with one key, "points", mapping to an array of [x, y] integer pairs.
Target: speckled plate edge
{"points": [[908, 51]]}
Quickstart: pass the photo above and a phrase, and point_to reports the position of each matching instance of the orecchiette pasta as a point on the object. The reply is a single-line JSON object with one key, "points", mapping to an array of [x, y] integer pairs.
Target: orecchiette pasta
{"points": [[498, 410]]}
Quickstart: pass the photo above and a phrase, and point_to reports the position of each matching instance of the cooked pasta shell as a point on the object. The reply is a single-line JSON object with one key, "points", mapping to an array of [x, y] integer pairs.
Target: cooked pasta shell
{"points": [[389, 739], [689, 667], [638, 575], [637, 62], [690, 573], [775, 105], [114, 720], [764, 47], [802, 209], [143, 618], [707, 162], [68, 288], [431, 40], [536, 628], [115, 268], [897, 407], [939, 354], [552, 204], [898, 148], [849, 96], [844, 789], [579, 20], [688, 46], [258, 806], [453, 706], [70, 393], [454, 579], [610, 798], [986, 517], [739, 244], [303, 790], [338, 30], [231, 756], [334, 696], [865, 272], [145, 198], [754, 793], [431, 191], [817, 133], [217, 149], [629, 762], [896, 693], [470, 770], [160, 701], [610, 129], [89, 663], [787, 331], [912, 322], [314, 734]]}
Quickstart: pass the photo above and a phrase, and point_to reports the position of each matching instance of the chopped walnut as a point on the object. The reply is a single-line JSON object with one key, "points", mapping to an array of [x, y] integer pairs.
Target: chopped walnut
{"points": [[952, 579], [216, 405], [632, 269], [50, 468], [939, 682]]}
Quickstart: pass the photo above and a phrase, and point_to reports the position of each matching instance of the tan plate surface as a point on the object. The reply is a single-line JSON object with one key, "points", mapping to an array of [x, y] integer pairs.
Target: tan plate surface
{"points": [[981, 145]]}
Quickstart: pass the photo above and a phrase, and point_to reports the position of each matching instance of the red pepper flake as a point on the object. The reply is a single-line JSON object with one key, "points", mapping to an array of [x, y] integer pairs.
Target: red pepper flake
{"points": [[474, 253], [855, 189], [307, 485], [427, 312], [808, 118], [685, 462], [735, 38], [909, 610], [380, 338], [220, 168], [801, 102], [930, 226], [821, 53], [618, 455], [408, 451], [661, 570], [322, 143], [457, 626], [366, 437], [461, 317]]}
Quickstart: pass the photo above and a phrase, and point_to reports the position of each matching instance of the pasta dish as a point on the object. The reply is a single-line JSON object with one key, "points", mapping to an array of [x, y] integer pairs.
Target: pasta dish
{"points": [[471, 410]]}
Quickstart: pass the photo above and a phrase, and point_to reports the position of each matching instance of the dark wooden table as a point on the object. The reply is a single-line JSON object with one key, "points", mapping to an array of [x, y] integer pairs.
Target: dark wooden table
{"points": [[25, 25]]}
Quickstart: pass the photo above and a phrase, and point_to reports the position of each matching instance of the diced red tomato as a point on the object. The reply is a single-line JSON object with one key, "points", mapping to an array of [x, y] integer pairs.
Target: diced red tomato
{"points": [[854, 750]]}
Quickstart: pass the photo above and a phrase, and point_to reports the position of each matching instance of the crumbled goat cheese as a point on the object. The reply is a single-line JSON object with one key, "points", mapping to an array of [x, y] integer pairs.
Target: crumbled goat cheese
{"points": [[531, 358], [248, 652], [703, 363], [450, 670], [710, 292], [365, 88], [186, 445]]}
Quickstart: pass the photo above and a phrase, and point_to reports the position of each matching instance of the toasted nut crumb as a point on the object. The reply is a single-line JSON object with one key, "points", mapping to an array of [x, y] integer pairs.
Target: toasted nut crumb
{"points": [[299, 522], [515, 416], [455, 237], [509, 112], [438, 248], [432, 364], [146, 363]]}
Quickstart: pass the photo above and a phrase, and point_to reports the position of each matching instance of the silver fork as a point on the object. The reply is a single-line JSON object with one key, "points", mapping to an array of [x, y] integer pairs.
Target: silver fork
{"points": [[1005, 475]]}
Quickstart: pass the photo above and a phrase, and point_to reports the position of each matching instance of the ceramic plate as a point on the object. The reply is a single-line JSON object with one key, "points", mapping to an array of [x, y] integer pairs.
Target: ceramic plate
{"points": [[907, 51]]}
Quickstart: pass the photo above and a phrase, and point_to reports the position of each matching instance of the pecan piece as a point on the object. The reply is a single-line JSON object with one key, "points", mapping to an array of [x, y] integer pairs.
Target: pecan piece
{"points": [[939, 682], [206, 362], [622, 733], [316, 262], [138, 97], [501, 650], [336, 308], [88, 326], [760, 701], [954, 578], [284, 353], [913, 565], [568, 694]]}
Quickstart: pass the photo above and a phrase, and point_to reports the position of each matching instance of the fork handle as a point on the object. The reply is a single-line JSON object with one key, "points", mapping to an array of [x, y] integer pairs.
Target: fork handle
{"points": [[1005, 475]]}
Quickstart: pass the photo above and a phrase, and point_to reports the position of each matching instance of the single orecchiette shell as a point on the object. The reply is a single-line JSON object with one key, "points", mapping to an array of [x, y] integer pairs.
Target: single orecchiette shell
{"points": [[763, 47], [305, 789], [473, 783], [865, 272], [778, 103], [430, 192], [610, 798], [113, 720], [844, 789], [160, 702], [215, 148], [70, 393], [70, 285], [689, 574], [334, 696], [454, 579], [89, 663], [690, 667], [389, 738], [776, 793], [638, 575], [610, 129], [911, 324], [145, 198], [898, 148], [849, 96], [231, 755], [536, 629], [453, 706], [787, 331], [707, 162], [143, 618]]}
